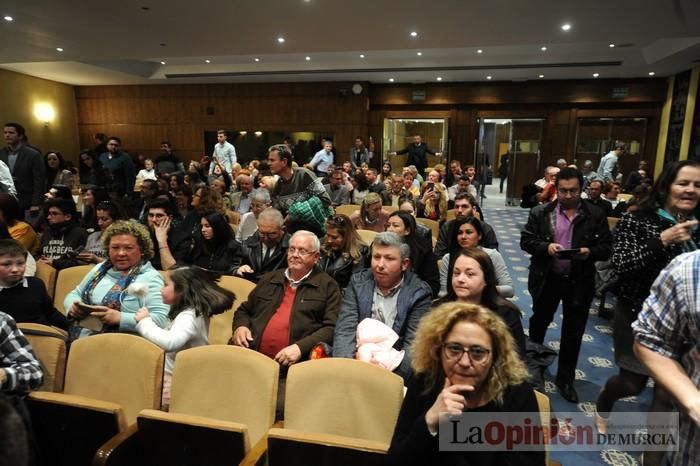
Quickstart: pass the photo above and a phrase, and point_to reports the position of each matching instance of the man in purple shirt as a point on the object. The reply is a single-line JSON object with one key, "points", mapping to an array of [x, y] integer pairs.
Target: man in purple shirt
{"points": [[564, 237]]}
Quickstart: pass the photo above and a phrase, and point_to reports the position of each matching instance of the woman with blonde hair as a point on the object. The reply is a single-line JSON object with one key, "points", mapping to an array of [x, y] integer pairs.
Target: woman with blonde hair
{"points": [[371, 215], [464, 360], [342, 251]]}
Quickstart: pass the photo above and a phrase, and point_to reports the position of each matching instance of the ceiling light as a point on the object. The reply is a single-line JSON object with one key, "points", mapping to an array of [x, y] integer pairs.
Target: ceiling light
{"points": [[611, 45], [479, 51], [280, 40], [595, 75], [256, 59], [414, 34], [162, 63], [59, 49], [543, 48], [565, 27], [258, 133], [243, 133], [8, 18], [307, 58], [391, 80], [207, 61], [541, 76], [651, 73], [362, 55], [439, 78], [419, 53], [489, 77]]}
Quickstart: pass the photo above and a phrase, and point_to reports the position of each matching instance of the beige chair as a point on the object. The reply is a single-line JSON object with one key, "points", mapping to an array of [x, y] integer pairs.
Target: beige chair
{"points": [[612, 222], [624, 197], [432, 224], [346, 209], [66, 281], [221, 395], [220, 325], [451, 214], [49, 345], [47, 274], [109, 379], [367, 236], [336, 408], [545, 419]]}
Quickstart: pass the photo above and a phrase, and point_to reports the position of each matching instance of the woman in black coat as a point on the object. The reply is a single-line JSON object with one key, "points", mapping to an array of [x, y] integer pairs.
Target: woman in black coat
{"points": [[214, 247]]}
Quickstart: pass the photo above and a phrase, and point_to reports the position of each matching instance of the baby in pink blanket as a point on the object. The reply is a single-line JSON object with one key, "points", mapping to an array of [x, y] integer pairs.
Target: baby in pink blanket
{"points": [[375, 341]]}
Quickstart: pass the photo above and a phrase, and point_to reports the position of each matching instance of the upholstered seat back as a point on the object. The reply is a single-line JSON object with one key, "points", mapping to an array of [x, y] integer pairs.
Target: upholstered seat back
{"points": [[49, 345], [66, 281], [220, 325], [343, 397]]}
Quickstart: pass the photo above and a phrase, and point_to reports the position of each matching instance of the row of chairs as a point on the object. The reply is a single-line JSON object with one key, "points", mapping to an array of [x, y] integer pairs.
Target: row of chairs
{"points": [[222, 410]]}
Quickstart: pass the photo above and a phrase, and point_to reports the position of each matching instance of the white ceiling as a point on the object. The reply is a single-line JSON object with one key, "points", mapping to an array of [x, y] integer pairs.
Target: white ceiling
{"points": [[110, 42]]}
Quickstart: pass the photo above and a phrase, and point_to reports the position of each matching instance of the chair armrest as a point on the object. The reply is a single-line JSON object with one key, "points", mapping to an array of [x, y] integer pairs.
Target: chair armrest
{"points": [[104, 452], [81, 402], [199, 421], [371, 446], [256, 455]]}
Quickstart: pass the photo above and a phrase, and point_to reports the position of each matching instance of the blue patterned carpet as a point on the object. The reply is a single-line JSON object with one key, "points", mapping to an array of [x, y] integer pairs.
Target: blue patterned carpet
{"points": [[596, 361]]}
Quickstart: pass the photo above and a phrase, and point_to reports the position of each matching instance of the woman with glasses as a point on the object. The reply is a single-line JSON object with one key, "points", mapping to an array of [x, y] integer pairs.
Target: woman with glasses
{"points": [[465, 361], [466, 233], [342, 251], [471, 278]]}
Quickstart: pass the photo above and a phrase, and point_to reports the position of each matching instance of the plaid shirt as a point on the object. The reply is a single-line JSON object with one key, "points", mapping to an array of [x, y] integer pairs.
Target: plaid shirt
{"points": [[17, 359], [669, 324]]}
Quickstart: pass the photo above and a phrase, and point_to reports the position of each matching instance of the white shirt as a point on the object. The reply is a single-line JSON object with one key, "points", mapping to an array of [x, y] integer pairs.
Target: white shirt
{"points": [[186, 331], [226, 154], [322, 160], [6, 181], [147, 174]]}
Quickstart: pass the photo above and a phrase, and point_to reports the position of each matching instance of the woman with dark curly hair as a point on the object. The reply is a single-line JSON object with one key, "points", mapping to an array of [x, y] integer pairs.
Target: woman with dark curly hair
{"points": [[342, 251], [90, 169], [465, 361], [56, 170], [214, 247]]}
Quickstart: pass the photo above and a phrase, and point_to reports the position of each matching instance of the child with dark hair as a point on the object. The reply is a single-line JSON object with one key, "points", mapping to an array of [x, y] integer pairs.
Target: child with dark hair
{"points": [[193, 297], [24, 298]]}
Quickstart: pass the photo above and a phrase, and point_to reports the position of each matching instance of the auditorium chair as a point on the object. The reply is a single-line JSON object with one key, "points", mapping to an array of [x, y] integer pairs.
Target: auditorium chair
{"points": [[66, 281], [432, 224], [624, 197], [109, 379], [545, 417], [451, 215], [49, 345], [612, 222], [367, 236], [220, 326], [336, 411], [346, 209], [223, 400], [47, 274]]}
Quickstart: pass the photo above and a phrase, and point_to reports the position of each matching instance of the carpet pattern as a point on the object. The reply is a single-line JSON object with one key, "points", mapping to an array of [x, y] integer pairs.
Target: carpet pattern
{"points": [[596, 362]]}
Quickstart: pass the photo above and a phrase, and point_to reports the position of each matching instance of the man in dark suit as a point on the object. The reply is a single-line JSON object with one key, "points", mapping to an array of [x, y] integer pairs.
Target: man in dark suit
{"points": [[266, 250], [27, 168], [416, 154]]}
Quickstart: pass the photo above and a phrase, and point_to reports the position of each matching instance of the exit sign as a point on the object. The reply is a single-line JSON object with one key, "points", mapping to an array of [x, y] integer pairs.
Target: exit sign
{"points": [[620, 92], [418, 94]]}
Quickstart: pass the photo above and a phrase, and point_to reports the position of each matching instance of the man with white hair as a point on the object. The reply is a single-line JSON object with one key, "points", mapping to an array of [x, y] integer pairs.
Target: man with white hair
{"points": [[266, 249]]}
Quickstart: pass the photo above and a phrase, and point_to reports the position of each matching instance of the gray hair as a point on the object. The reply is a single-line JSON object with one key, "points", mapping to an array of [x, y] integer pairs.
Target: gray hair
{"points": [[271, 215], [315, 243], [391, 239], [260, 195], [588, 163]]}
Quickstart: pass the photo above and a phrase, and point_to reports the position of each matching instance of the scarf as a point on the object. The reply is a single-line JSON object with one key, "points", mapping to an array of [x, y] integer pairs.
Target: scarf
{"points": [[689, 245], [112, 299]]}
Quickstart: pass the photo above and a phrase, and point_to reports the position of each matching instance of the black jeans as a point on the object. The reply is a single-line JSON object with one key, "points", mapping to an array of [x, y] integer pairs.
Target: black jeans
{"points": [[560, 288]]}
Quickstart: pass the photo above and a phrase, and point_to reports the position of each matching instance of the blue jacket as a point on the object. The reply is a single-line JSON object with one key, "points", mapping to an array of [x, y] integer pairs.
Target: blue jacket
{"points": [[413, 301]]}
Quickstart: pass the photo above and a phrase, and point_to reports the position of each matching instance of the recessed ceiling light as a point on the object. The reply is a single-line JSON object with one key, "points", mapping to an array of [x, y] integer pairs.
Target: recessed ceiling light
{"points": [[307, 58], [256, 59], [391, 80], [651, 73], [611, 45], [479, 51], [541, 76], [414, 34], [59, 49], [281, 40], [565, 27], [439, 78], [419, 53], [595, 75], [362, 55], [489, 77], [8, 18], [162, 63], [207, 61], [543, 48]]}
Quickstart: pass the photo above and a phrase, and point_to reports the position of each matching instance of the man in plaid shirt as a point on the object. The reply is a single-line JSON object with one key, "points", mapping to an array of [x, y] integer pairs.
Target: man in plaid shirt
{"points": [[20, 370], [667, 334]]}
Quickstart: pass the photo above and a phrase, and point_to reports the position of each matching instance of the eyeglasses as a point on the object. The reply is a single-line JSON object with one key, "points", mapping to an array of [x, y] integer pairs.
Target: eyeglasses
{"points": [[456, 351], [302, 252], [54, 213], [572, 192]]}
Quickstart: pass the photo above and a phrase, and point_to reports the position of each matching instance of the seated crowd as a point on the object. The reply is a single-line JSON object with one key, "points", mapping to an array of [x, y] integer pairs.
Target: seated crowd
{"points": [[411, 299]]}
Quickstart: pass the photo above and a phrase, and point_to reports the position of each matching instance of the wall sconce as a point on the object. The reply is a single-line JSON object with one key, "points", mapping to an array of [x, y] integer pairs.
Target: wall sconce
{"points": [[44, 112], [258, 133], [243, 133]]}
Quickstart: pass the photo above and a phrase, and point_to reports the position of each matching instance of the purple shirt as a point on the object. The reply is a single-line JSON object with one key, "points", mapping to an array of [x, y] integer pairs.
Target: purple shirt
{"points": [[563, 232]]}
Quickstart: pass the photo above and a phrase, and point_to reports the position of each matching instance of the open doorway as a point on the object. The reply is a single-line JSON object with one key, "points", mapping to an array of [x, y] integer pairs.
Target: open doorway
{"points": [[399, 133]]}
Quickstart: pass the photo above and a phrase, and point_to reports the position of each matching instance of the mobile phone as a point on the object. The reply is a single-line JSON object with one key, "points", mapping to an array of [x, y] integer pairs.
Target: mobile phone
{"points": [[430, 185], [567, 253]]}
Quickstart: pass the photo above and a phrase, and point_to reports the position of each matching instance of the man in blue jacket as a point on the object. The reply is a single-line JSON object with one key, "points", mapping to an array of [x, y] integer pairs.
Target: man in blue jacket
{"points": [[390, 293]]}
